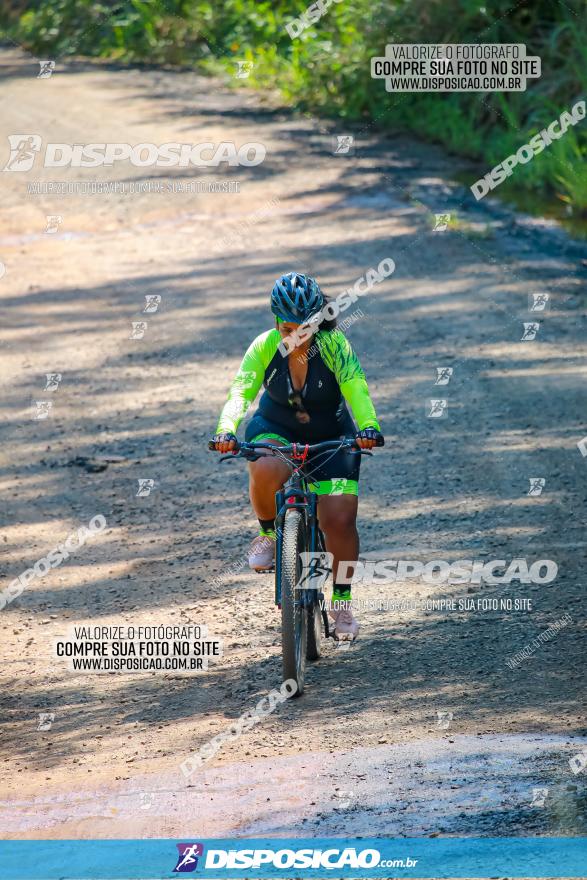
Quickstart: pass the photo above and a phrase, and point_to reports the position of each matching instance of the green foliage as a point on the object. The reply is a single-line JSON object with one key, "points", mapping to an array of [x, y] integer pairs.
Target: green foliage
{"points": [[327, 68]]}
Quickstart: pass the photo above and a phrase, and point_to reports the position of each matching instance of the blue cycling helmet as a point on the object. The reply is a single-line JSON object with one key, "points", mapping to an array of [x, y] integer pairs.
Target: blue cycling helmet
{"points": [[296, 298]]}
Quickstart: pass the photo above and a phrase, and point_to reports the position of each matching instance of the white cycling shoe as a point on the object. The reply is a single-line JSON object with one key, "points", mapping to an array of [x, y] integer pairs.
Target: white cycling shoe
{"points": [[262, 553], [346, 626]]}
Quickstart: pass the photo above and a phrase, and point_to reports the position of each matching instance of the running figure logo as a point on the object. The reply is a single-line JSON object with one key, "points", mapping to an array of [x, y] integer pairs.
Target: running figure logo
{"points": [[23, 149], [42, 409], [537, 484], [315, 571], [47, 68], [443, 719], [53, 380], [46, 719], [343, 144], [152, 302], [187, 860], [145, 487], [443, 375], [54, 221], [531, 328], [441, 222], [244, 69], [247, 378], [539, 796], [436, 409], [138, 329], [538, 302]]}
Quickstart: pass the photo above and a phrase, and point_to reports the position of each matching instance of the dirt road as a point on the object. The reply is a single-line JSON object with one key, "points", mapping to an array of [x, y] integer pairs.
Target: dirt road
{"points": [[366, 740]]}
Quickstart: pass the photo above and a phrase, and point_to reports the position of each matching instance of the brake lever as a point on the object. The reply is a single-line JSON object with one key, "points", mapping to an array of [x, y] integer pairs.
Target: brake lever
{"points": [[250, 456]]}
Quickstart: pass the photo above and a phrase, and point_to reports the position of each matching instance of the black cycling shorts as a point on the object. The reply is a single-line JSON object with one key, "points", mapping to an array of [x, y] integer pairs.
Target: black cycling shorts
{"points": [[329, 473]]}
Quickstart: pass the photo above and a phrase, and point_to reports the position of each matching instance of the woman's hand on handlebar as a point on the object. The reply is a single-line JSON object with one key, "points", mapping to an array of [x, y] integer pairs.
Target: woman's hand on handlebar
{"points": [[223, 442], [368, 438]]}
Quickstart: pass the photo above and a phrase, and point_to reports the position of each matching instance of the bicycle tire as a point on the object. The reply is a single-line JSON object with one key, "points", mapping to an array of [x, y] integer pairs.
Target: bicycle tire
{"points": [[314, 639], [294, 626]]}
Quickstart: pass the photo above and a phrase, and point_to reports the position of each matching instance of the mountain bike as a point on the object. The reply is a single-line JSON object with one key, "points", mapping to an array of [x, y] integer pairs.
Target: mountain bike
{"points": [[297, 586]]}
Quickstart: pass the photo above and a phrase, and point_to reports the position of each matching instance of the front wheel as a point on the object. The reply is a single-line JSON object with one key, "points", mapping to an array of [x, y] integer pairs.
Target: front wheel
{"points": [[317, 620], [294, 616], [315, 624]]}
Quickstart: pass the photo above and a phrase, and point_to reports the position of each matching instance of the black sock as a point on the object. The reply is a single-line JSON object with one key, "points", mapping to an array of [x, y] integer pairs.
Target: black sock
{"points": [[268, 525]]}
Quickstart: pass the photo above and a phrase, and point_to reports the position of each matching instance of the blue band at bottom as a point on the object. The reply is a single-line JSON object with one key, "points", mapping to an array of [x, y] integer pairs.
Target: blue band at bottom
{"points": [[276, 857]]}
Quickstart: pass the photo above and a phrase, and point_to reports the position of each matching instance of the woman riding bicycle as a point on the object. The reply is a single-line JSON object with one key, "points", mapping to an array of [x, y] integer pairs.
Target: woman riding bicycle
{"points": [[308, 383]]}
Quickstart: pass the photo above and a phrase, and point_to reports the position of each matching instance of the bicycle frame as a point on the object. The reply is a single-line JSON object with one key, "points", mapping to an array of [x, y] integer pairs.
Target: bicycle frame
{"points": [[296, 494], [302, 612]]}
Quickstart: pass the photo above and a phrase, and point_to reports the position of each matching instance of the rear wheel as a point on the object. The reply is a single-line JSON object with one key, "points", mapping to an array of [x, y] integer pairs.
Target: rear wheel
{"points": [[294, 617]]}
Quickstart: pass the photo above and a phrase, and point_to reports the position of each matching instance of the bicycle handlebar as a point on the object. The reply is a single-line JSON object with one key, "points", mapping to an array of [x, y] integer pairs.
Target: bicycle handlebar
{"points": [[346, 443]]}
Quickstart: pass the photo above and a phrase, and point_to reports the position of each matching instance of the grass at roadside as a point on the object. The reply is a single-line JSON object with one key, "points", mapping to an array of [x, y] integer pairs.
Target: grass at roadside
{"points": [[326, 69]]}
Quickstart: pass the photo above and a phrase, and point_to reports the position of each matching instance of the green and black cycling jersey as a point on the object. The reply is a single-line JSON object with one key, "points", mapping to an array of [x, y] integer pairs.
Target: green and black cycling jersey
{"points": [[317, 412]]}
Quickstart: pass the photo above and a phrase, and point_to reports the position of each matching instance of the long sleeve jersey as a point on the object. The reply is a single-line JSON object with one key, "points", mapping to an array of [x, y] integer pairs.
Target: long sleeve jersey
{"points": [[334, 378]]}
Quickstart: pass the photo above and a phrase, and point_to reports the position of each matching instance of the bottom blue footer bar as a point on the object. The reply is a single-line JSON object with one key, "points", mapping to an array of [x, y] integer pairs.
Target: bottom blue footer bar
{"points": [[288, 857]]}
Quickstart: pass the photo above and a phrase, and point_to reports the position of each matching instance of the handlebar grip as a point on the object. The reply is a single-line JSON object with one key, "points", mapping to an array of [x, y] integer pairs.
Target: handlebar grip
{"points": [[380, 441], [212, 445]]}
